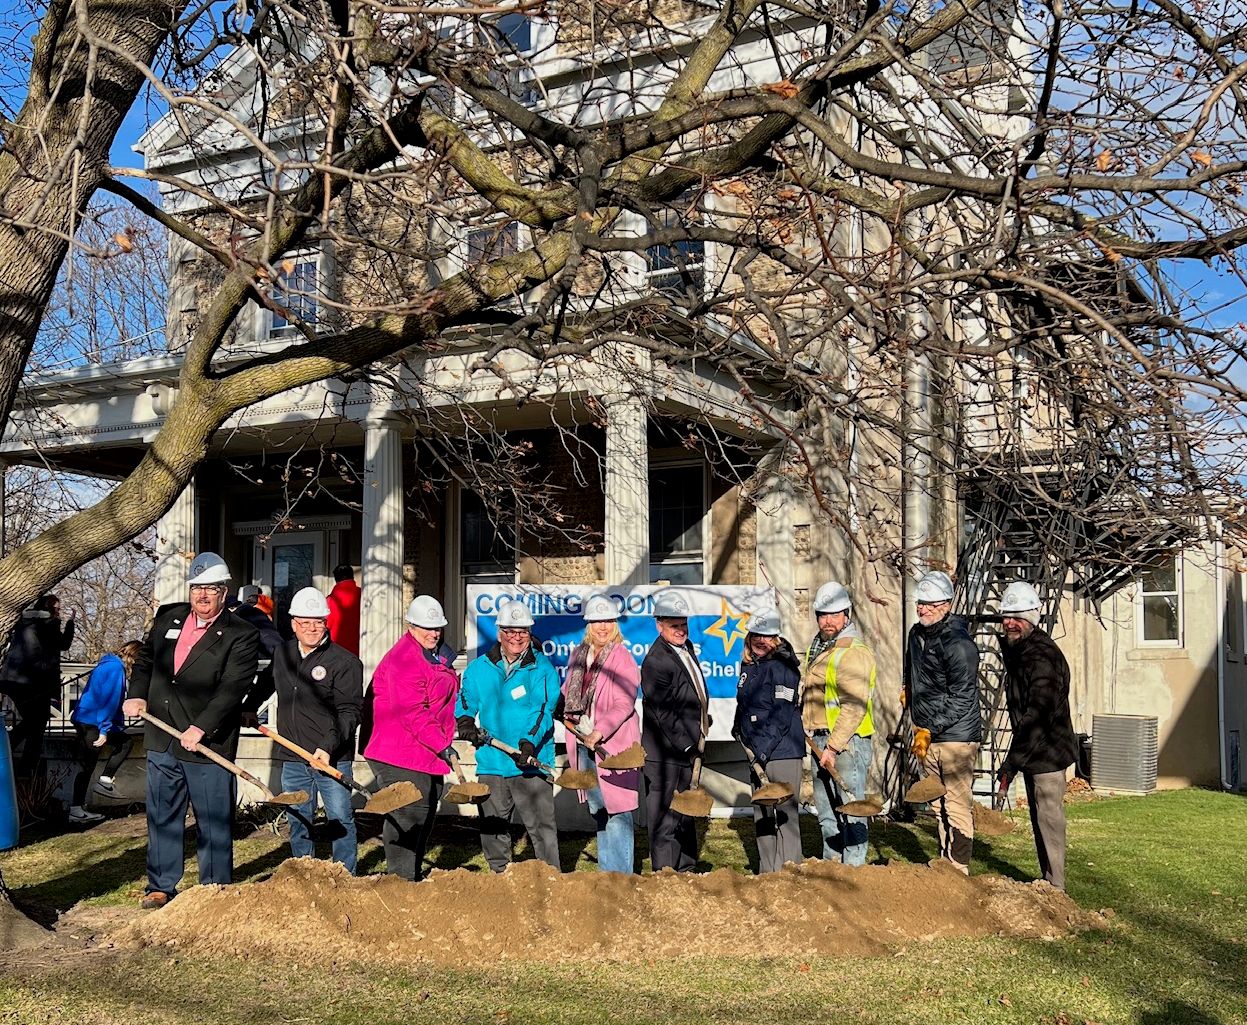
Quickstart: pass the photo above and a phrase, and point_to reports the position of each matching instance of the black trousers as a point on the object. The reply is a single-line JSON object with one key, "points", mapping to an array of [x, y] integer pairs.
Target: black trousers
{"points": [[405, 831], [672, 836], [35, 709], [120, 744]]}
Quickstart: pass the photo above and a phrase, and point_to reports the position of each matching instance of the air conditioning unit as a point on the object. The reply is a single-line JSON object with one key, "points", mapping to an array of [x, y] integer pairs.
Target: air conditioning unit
{"points": [[1123, 753]]}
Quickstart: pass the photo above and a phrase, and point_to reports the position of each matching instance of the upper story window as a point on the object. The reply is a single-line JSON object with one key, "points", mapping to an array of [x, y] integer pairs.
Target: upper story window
{"points": [[676, 267], [296, 296], [1160, 603], [492, 240]]}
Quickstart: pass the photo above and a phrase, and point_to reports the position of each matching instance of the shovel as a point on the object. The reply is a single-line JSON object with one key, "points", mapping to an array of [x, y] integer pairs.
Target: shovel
{"points": [[463, 792], [631, 757], [384, 801], [569, 779], [866, 808], [768, 794], [284, 799], [694, 802], [927, 789]]}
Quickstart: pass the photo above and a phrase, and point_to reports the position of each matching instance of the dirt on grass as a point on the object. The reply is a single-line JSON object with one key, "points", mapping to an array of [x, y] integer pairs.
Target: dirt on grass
{"points": [[312, 911]]}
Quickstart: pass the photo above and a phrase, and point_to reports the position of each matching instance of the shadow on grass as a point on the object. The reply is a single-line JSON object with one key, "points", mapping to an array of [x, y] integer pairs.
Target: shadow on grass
{"points": [[1174, 1012]]}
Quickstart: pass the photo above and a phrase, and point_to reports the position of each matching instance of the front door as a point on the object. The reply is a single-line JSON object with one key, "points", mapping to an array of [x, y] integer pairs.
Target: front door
{"points": [[288, 562]]}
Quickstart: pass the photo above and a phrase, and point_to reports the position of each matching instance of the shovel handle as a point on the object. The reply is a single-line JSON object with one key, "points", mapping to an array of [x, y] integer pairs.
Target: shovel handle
{"points": [[211, 755], [753, 763], [454, 764], [302, 752], [580, 737], [833, 772], [507, 749]]}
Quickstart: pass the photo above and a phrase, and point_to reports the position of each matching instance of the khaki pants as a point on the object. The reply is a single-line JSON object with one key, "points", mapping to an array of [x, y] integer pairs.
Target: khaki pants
{"points": [[953, 764]]}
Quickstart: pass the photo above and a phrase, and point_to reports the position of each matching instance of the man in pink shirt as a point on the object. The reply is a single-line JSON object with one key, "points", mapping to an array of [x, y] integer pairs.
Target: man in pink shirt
{"points": [[193, 671]]}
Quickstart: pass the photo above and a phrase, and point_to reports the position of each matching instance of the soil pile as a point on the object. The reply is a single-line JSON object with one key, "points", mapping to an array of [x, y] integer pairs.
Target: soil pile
{"points": [[18, 932], [312, 911]]}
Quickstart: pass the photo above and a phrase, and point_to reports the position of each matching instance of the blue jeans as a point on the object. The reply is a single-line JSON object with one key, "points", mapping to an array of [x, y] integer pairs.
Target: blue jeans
{"points": [[615, 832], [844, 836], [337, 800]]}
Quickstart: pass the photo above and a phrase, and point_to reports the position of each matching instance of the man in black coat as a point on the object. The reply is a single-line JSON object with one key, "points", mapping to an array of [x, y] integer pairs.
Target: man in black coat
{"points": [[675, 721], [193, 672], [31, 677], [1044, 745]]}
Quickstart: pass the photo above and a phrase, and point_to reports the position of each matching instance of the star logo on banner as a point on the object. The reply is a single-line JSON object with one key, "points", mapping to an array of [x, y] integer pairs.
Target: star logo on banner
{"points": [[729, 627]]}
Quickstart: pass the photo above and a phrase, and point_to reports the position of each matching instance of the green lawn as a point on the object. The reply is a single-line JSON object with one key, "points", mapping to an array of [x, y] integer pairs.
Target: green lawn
{"points": [[1172, 867]]}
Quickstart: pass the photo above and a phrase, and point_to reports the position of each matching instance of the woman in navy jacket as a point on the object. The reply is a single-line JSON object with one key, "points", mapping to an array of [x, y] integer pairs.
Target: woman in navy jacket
{"points": [[768, 722]]}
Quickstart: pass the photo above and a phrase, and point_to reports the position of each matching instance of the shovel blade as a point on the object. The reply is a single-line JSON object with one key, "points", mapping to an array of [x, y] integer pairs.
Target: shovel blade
{"points": [[695, 803], [577, 779], [632, 757], [866, 808], [393, 797], [289, 798], [929, 788], [771, 793], [466, 793]]}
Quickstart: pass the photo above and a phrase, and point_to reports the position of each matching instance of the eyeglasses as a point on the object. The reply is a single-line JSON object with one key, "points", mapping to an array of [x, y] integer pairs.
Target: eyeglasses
{"points": [[216, 588], [931, 604], [515, 631], [301, 621]]}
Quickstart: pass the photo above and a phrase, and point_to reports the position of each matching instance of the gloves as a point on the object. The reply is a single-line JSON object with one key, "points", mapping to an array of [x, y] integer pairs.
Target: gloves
{"points": [[904, 698], [445, 755], [466, 729], [525, 756], [922, 741], [560, 707], [1003, 781]]}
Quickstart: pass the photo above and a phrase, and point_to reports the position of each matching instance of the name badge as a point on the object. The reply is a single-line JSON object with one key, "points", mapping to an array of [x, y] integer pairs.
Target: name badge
{"points": [[518, 692], [784, 693], [173, 634]]}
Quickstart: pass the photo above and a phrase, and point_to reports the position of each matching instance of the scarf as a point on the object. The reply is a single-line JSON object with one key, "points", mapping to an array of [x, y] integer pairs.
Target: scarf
{"points": [[582, 679]]}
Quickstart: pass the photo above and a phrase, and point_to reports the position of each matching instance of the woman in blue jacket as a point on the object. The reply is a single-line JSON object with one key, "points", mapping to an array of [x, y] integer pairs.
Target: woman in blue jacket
{"points": [[98, 721], [768, 722]]}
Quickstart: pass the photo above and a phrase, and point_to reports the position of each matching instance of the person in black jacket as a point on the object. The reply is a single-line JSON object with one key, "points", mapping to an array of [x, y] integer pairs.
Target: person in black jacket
{"points": [[31, 677], [1044, 745], [768, 722], [675, 718], [320, 693], [193, 672], [942, 690]]}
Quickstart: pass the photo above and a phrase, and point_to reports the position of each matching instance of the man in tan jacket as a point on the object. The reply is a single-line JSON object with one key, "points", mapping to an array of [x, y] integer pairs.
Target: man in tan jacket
{"points": [[837, 692]]}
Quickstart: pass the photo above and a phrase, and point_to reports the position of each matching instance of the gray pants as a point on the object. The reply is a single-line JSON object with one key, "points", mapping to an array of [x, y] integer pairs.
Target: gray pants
{"points": [[778, 828], [1045, 794], [533, 799]]}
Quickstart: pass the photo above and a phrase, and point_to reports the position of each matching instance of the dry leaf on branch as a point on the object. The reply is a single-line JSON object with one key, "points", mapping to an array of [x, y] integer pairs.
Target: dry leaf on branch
{"points": [[124, 242], [786, 89]]}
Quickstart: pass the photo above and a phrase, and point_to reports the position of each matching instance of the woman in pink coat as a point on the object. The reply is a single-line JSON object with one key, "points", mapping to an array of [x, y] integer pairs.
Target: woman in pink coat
{"points": [[413, 724], [599, 698]]}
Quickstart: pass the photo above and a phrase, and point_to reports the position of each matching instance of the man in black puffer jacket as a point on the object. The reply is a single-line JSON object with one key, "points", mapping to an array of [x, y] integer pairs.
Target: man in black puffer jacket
{"points": [[942, 690], [1044, 745]]}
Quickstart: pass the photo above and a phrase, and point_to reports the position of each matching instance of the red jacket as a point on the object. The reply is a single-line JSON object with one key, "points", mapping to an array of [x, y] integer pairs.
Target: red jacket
{"points": [[344, 615]]}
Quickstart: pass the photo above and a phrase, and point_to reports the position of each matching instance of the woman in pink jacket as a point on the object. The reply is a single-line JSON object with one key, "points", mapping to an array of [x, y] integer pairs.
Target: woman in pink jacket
{"points": [[599, 698], [413, 724]]}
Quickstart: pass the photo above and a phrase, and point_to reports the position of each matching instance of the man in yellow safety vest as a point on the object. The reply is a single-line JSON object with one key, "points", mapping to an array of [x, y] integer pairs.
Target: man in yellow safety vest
{"points": [[837, 694]]}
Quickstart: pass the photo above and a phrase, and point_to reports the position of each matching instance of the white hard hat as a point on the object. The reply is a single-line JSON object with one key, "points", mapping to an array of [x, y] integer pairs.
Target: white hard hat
{"points": [[308, 603], [247, 592], [832, 597], [208, 568], [1019, 596], [671, 605], [426, 611], [600, 608], [764, 622], [934, 586], [514, 615]]}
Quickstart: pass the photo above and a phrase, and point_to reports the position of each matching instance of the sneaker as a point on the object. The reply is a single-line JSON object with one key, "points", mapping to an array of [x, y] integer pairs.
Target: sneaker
{"points": [[77, 814], [152, 901], [104, 785]]}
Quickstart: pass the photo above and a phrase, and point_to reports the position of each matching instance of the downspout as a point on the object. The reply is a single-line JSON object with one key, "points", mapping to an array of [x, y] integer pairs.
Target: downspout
{"points": [[1219, 555]]}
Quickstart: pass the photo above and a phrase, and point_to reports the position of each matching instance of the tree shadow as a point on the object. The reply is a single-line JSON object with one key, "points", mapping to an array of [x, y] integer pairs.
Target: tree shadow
{"points": [[45, 902], [1176, 1012]]}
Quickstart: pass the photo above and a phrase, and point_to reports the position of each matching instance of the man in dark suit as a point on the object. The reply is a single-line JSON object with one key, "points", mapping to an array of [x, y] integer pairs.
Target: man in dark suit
{"points": [[675, 718], [193, 671]]}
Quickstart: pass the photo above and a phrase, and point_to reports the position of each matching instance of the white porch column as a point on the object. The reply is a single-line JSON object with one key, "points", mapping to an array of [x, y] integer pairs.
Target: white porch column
{"points": [[381, 601], [175, 547], [627, 492]]}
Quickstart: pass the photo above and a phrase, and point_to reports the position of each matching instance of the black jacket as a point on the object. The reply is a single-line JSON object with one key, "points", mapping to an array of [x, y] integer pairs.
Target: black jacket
{"points": [[1037, 688], [209, 689], [768, 717], [670, 708], [34, 656], [942, 681], [319, 698]]}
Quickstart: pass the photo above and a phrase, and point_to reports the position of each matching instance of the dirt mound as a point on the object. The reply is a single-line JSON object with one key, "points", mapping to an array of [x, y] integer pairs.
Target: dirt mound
{"points": [[989, 822], [18, 932], [313, 911]]}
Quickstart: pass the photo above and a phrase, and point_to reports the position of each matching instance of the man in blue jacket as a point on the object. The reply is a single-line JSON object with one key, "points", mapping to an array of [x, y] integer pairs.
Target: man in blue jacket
{"points": [[942, 689], [512, 690]]}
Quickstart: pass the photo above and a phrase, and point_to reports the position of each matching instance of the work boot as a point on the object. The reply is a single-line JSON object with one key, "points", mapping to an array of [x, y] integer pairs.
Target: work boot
{"points": [[154, 900], [81, 815]]}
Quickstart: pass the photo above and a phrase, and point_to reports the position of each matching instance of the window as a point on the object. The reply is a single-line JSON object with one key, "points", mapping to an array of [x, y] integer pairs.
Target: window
{"points": [[492, 242], [677, 507], [1160, 602], [294, 295], [487, 546], [676, 267]]}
